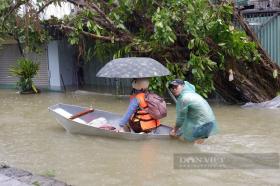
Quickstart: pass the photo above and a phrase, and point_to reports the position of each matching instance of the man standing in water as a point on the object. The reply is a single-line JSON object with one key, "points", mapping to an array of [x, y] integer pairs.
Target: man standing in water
{"points": [[194, 116]]}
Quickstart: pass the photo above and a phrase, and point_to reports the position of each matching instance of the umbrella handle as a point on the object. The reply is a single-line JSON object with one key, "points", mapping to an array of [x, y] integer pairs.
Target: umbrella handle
{"points": [[170, 93], [79, 114]]}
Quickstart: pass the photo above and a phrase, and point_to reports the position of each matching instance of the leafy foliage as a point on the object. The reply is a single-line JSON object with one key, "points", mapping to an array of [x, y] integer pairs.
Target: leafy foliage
{"points": [[158, 84], [20, 20], [25, 70], [189, 37]]}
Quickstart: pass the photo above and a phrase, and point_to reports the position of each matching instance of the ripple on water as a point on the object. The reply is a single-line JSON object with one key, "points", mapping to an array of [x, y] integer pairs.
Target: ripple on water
{"points": [[236, 143], [31, 139]]}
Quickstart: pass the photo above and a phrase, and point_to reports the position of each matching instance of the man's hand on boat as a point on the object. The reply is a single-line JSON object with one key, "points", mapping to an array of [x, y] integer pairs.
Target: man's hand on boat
{"points": [[173, 132], [121, 129]]}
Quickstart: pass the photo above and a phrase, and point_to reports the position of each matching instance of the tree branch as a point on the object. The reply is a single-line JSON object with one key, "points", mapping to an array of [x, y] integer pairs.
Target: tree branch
{"points": [[100, 12], [44, 6], [104, 38], [12, 8], [76, 2], [104, 18]]}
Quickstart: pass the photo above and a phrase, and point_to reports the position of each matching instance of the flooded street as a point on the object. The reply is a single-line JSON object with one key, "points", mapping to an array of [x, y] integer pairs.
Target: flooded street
{"points": [[31, 139]]}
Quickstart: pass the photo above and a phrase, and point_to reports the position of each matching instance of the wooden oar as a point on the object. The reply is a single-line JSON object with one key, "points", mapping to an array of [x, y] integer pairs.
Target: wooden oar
{"points": [[79, 114]]}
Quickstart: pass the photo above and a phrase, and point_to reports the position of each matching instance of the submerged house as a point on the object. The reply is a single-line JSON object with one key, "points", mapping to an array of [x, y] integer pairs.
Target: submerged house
{"points": [[51, 62], [59, 69], [52, 59]]}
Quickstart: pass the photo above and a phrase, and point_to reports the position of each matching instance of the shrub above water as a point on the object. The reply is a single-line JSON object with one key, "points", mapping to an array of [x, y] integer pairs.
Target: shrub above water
{"points": [[25, 70]]}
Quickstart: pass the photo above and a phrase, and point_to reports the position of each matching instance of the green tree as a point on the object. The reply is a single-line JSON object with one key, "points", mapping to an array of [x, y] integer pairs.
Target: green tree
{"points": [[195, 39]]}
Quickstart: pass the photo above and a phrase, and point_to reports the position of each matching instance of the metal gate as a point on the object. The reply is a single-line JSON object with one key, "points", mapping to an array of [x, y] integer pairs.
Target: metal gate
{"points": [[266, 25], [10, 53]]}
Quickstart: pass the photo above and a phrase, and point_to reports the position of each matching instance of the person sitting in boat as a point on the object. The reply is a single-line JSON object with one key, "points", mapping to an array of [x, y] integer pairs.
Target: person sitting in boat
{"points": [[194, 116], [136, 117]]}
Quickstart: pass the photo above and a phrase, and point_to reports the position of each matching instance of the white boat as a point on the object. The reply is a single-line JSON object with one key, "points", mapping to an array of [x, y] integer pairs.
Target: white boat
{"points": [[82, 124]]}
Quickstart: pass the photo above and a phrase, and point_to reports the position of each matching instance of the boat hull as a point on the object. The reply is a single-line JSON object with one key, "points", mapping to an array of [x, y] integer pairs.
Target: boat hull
{"points": [[80, 125]]}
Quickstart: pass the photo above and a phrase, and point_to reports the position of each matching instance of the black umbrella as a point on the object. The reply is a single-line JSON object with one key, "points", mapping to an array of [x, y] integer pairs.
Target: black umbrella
{"points": [[133, 67]]}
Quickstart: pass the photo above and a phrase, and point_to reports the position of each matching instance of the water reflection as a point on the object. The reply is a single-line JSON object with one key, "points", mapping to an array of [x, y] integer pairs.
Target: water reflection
{"points": [[31, 139]]}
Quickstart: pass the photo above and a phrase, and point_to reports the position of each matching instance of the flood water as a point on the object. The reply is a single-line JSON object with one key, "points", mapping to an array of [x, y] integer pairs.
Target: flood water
{"points": [[31, 139]]}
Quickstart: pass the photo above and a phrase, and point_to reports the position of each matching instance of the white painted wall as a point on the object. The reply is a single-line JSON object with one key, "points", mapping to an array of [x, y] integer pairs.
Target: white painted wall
{"points": [[54, 74]]}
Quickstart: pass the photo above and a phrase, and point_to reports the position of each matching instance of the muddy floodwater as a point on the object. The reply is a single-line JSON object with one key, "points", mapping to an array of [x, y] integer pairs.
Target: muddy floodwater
{"points": [[31, 139]]}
